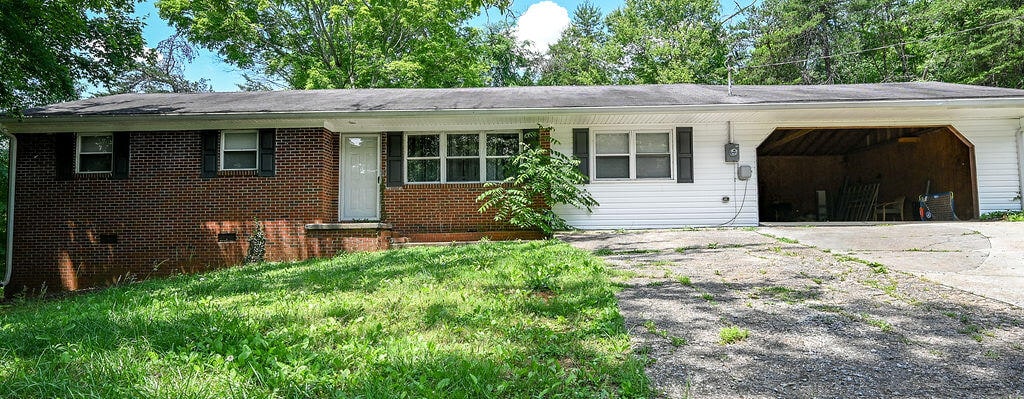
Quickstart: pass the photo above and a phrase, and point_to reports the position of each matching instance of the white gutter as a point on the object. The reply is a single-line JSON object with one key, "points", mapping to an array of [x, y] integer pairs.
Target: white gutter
{"points": [[18, 125], [12, 156]]}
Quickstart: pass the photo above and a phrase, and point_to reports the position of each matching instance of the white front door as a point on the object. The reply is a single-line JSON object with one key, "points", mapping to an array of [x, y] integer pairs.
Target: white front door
{"points": [[360, 174]]}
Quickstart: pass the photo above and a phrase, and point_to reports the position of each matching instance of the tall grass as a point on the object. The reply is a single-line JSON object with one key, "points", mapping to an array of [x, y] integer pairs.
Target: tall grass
{"points": [[491, 320]]}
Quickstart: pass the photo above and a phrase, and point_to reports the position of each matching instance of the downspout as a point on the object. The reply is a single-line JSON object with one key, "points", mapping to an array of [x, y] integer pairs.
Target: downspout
{"points": [[12, 154], [1020, 161]]}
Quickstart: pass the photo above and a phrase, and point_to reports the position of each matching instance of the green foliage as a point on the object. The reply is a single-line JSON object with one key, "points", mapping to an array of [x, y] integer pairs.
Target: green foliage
{"points": [[307, 44], [541, 179], [976, 42], [732, 334], [865, 41], [511, 62], [49, 48], [1009, 216], [437, 322], [673, 41], [580, 56]]}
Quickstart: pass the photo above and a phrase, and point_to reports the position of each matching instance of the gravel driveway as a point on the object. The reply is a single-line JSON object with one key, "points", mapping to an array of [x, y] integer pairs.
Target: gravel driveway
{"points": [[820, 324]]}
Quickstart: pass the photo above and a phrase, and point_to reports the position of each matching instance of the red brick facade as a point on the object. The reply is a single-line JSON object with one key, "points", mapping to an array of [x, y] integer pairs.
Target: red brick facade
{"points": [[167, 218]]}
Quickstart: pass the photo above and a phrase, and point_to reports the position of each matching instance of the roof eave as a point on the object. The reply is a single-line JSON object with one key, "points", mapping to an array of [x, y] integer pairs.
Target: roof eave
{"points": [[40, 124]]}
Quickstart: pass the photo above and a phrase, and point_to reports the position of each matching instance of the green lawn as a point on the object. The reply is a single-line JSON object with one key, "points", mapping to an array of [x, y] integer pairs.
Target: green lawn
{"points": [[535, 319]]}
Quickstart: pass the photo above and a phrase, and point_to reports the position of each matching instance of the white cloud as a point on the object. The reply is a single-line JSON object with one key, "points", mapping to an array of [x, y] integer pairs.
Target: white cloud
{"points": [[542, 24]]}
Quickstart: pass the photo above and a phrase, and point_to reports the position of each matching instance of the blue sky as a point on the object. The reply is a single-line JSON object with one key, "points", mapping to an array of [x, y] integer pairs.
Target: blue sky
{"points": [[536, 23]]}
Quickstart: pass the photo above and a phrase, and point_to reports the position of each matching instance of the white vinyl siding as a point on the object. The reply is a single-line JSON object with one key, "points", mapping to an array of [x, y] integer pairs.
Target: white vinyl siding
{"points": [[995, 156], [664, 203], [661, 204]]}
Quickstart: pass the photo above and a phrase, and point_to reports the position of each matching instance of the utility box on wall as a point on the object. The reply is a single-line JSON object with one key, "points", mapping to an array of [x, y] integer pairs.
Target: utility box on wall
{"points": [[732, 152]]}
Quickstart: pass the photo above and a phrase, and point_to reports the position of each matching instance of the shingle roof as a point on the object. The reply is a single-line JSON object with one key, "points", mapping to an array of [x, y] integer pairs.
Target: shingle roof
{"points": [[535, 97]]}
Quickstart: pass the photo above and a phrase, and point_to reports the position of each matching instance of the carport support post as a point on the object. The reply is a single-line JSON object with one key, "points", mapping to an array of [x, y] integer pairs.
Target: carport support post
{"points": [[1020, 162]]}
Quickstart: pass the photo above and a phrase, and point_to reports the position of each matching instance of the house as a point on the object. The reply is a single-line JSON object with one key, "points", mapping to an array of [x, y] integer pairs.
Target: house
{"points": [[134, 185]]}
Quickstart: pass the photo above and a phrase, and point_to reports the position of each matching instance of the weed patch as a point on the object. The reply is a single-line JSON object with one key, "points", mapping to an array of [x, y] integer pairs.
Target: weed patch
{"points": [[673, 340], [786, 294], [732, 334], [781, 239]]}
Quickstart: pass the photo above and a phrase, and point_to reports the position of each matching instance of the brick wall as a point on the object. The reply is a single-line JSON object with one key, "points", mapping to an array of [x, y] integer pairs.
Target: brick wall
{"points": [[445, 212], [166, 217]]}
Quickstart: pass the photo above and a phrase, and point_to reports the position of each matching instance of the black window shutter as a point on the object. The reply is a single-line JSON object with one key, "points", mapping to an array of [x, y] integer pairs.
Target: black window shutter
{"points": [[396, 152], [209, 139], [684, 155], [267, 150], [581, 150], [64, 155], [122, 152], [531, 137]]}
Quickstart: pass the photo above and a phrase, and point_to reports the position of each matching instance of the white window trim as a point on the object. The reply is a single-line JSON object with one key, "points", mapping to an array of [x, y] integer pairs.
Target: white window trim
{"points": [[632, 154], [79, 153], [224, 150], [443, 155]]}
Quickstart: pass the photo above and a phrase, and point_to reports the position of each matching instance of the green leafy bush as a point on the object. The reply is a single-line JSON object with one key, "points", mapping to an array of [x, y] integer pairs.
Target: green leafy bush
{"points": [[1009, 216], [540, 178]]}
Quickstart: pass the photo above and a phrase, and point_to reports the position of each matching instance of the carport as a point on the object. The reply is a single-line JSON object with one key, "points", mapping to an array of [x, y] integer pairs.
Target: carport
{"points": [[820, 174]]}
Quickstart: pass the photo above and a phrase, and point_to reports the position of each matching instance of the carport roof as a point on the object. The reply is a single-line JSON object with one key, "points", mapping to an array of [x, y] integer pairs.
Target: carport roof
{"points": [[507, 98]]}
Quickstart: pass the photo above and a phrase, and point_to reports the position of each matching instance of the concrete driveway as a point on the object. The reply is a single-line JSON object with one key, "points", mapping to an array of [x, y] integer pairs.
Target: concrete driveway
{"points": [[984, 258]]}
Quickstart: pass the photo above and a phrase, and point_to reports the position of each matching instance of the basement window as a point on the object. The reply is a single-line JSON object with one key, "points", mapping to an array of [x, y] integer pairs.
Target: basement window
{"points": [[95, 152], [240, 149]]}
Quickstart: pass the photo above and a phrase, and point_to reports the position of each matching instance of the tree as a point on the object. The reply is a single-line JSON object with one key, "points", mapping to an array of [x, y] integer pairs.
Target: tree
{"points": [[794, 42], [540, 178], [579, 56], [826, 42], [162, 71], [973, 42], [309, 44], [510, 62], [49, 48], [668, 41]]}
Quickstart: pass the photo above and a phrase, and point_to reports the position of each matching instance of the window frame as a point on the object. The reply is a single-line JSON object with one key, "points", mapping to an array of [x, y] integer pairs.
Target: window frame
{"points": [[483, 151], [443, 157], [223, 149], [79, 153], [632, 155]]}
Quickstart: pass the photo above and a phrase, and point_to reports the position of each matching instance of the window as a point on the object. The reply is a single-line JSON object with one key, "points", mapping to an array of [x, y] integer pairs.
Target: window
{"points": [[96, 153], [500, 147], [459, 157], [633, 155], [463, 157], [423, 161], [239, 149]]}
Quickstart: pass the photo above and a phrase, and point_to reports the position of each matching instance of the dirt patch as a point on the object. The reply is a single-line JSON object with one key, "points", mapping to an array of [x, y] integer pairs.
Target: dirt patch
{"points": [[816, 324]]}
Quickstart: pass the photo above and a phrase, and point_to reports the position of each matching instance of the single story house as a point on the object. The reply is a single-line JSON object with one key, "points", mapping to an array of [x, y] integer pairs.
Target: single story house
{"points": [[133, 185]]}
